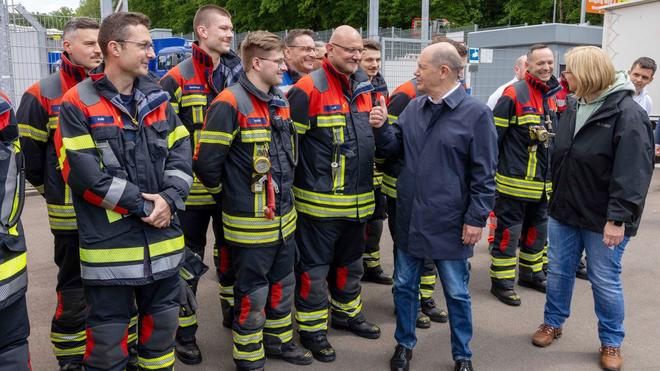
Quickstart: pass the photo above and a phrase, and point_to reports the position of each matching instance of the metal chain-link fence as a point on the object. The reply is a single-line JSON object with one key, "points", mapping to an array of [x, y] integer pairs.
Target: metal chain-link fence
{"points": [[30, 47]]}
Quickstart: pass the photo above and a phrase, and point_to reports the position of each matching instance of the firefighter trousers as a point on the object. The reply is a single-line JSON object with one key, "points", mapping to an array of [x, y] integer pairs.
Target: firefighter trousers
{"points": [[195, 223], [374, 230], [109, 316], [330, 261], [521, 224], [264, 294], [14, 332], [67, 330], [428, 280]]}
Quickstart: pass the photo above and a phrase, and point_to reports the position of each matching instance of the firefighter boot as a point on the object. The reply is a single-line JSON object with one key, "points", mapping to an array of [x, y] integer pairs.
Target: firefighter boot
{"points": [[359, 326], [288, 352], [187, 350], [376, 275], [435, 313], [506, 295], [317, 342]]}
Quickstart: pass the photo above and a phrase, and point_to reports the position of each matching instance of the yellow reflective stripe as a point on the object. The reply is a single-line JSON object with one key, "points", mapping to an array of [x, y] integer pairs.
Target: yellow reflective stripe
{"points": [[249, 356], [40, 189], [340, 200], [392, 118], [132, 337], [502, 262], [193, 100], [61, 210], [78, 143], [312, 316], [52, 123], [531, 166], [227, 290], [326, 121], [244, 222], [521, 183], [503, 274], [257, 135], [536, 267], [284, 337], [179, 132], [59, 352], [247, 339], [58, 337], [188, 321], [300, 127], [27, 131], [518, 192], [328, 212], [278, 323], [531, 257], [258, 232], [113, 216], [115, 255], [198, 114], [177, 94], [352, 308], [133, 321], [215, 137], [529, 119], [313, 328], [166, 247], [13, 266], [427, 280], [501, 122], [157, 363]]}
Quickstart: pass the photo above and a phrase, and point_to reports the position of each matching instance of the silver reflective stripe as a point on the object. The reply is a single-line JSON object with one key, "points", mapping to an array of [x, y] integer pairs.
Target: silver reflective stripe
{"points": [[166, 263], [320, 80], [243, 101], [112, 273], [51, 86], [180, 174], [114, 193], [10, 187], [87, 93], [13, 286]]}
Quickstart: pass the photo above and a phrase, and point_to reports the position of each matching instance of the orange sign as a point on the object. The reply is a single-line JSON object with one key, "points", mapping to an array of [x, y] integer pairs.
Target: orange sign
{"points": [[593, 5]]}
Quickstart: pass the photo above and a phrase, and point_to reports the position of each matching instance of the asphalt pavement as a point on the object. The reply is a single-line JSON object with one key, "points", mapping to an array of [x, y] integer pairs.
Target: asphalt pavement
{"points": [[501, 333]]}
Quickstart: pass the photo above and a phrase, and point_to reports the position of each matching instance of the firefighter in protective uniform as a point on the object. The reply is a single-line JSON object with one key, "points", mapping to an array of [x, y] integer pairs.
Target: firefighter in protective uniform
{"points": [[525, 116], [14, 323], [429, 311], [373, 271], [248, 144], [126, 157], [37, 121], [192, 85], [333, 190]]}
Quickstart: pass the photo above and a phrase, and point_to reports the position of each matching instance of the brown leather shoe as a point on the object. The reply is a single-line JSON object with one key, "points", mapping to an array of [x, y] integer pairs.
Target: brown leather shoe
{"points": [[545, 335], [610, 358]]}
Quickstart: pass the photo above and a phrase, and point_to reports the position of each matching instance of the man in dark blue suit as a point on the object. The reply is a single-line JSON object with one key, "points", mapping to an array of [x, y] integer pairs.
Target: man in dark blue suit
{"points": [[445, 192]]}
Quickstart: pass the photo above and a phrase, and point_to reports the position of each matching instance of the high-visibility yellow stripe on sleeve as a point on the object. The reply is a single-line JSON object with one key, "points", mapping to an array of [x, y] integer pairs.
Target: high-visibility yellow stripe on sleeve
{"points": [[179, 132], [78, 143]]}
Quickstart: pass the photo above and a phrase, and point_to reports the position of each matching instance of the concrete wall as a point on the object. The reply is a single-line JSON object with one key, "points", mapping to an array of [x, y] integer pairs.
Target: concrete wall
{"points": [[510, 43]]}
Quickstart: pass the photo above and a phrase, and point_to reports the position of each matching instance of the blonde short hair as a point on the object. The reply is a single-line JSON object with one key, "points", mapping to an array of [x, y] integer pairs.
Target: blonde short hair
{"points": [[592, 68], [256, 44]]}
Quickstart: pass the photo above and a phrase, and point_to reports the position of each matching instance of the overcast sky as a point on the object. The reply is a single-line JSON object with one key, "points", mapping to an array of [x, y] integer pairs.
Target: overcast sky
{"points": [[46, 6]]}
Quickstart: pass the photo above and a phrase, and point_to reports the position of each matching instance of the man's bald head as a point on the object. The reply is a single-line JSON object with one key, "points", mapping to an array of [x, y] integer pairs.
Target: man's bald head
{"points": [[344, 34], [344, 51], [519, 68], [443, 53]]}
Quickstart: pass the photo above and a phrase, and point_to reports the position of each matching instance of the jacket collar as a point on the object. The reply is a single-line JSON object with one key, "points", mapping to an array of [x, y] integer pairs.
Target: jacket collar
{"points": [[273, 98], [294, 75], [454, 99], [148, 94], [547, 88], [70, 72], [230, 66], [378, 83], [200, 58]]}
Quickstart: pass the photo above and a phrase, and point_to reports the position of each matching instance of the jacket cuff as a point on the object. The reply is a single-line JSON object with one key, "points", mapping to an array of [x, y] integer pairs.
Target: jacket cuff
{"points": [[173, 199]]}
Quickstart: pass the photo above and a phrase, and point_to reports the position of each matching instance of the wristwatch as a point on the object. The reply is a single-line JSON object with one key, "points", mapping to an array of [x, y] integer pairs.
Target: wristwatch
{"points": [[618, 223]]}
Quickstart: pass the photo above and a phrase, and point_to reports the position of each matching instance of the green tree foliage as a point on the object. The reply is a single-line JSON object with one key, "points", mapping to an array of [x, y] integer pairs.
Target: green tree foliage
{"points": [[276, 15]]}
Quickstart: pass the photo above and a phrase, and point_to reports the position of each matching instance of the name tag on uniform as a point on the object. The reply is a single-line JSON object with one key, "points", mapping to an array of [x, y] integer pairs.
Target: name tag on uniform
{"points": [[194, 87], [101, 119], [332, 108], [256, 121], [529, 109]]}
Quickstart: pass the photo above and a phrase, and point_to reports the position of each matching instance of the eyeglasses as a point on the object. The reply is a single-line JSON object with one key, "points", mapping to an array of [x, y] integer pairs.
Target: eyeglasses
{"points": [[358, 51], [146, 46], [279, 62], [306, 49]]}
